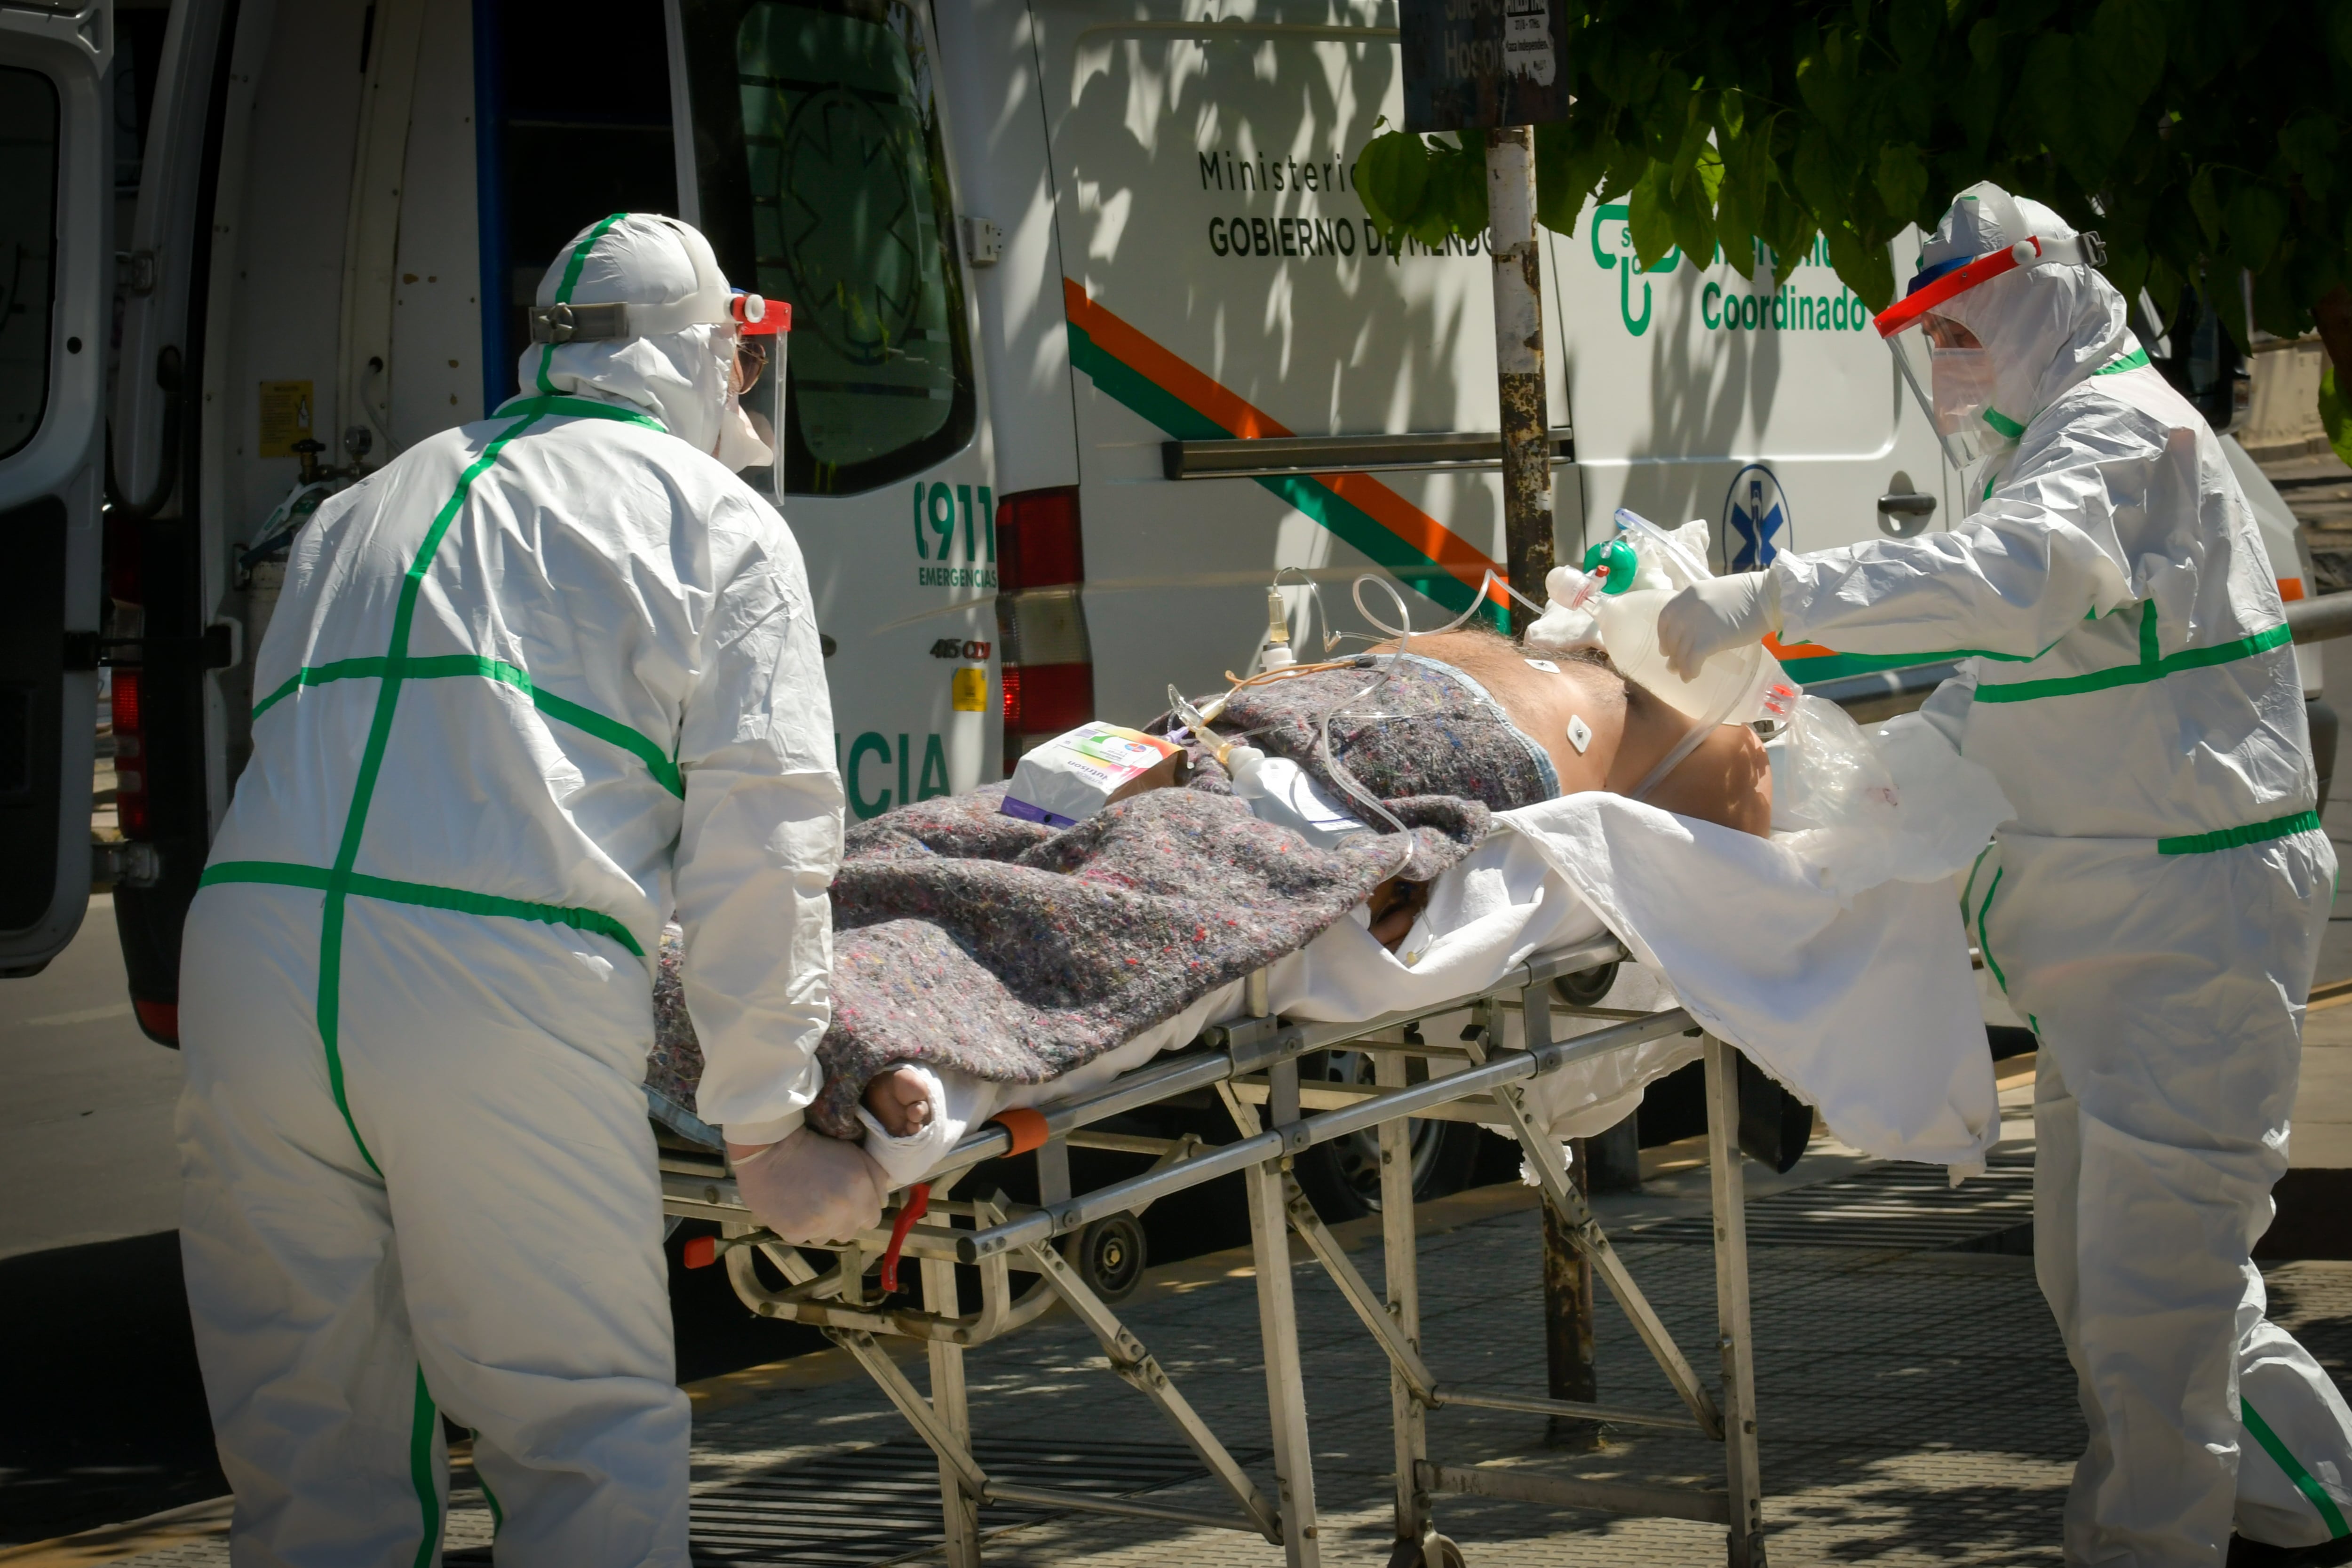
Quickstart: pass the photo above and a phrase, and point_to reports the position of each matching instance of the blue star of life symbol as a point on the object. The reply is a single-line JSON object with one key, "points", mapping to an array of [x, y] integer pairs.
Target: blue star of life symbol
{"points": [[1755, 523]]}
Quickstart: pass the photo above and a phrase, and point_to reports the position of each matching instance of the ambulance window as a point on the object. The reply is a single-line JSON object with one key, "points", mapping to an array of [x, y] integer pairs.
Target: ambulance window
{"points": [[818, 154], [29, 232]]}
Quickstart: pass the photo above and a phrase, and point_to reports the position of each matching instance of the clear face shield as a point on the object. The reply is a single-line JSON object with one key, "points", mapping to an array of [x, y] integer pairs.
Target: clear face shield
{"points": [[750, 441], [1947, 368], [1950, 374]]}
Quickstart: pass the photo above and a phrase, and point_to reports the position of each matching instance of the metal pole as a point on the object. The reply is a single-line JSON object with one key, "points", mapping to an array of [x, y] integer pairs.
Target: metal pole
{"points": [[1518, 356], [1568, 1321], [1567, 1275], [1398, 1248], [957, 1508], [1746, 1543]]}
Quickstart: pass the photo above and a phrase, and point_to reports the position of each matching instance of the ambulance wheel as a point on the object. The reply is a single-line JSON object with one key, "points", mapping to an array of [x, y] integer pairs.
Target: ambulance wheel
{"points": [[1343, 1177], [1111, 1256]]}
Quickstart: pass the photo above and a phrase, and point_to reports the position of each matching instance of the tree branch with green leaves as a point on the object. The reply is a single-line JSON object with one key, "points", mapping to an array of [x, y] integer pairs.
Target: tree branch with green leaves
{"points": [[2202, 139]]}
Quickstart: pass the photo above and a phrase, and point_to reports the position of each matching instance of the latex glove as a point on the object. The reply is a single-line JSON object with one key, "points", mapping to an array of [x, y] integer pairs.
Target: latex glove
{"points": [[1721, 613], [812, 1188]]}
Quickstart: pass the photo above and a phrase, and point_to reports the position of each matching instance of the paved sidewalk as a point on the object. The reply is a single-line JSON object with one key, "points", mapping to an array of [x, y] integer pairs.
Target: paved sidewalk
{"points": [[1915, 1408]]}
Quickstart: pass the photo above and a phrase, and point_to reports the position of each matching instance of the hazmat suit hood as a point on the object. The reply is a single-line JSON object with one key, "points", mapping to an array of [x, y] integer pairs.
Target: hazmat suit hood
{"points": [[2045, 326], [680, 377]]}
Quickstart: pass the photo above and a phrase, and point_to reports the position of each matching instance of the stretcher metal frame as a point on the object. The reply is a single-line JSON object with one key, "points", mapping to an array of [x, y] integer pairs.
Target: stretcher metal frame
{"points": [[1252, 1064]]}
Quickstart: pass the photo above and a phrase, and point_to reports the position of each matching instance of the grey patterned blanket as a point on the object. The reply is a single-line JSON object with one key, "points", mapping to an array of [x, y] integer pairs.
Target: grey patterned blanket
{"points": [[1015, 952]]}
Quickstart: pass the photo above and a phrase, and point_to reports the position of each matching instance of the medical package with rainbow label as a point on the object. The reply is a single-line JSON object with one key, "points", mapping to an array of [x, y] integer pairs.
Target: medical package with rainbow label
{"points": [[1072, 777]]}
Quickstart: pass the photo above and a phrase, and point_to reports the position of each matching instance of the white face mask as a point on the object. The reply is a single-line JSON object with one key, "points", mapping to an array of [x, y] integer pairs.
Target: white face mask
{"points": [[1964, 386]]}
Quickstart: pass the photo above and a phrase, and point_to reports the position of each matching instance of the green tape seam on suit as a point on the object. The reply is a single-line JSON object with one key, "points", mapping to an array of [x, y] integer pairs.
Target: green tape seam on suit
{"points": [[422, 895], [340, 883], [563, 293], [586, 719], [2234, 837], [421, 1426], [2332, 1516], [1983, 947], [2150, 666]]}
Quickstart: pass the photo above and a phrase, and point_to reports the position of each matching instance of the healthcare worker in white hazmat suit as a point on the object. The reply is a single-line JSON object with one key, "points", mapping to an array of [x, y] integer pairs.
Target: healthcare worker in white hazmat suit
{"points": [[531, 686], [2155, 909]]}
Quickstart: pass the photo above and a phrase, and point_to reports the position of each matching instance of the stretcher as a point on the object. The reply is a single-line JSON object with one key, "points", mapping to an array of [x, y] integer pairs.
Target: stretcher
{"points": [[1474, 1071]]}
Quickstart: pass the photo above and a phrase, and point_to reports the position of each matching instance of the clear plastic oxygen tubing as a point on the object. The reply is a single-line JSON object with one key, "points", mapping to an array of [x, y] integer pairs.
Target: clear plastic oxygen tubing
{"points": [[1682, 748], [1696, 570], [1698, 573], [1402, 631]]}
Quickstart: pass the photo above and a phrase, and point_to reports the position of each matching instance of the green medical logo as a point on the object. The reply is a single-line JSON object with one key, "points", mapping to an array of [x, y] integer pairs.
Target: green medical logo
{"points": [[1631, 268]]}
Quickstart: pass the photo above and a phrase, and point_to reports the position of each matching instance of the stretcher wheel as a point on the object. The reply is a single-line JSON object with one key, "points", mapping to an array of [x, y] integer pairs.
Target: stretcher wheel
{"points": [[1586, 987], [1111, 1256], [1432, 1550]]}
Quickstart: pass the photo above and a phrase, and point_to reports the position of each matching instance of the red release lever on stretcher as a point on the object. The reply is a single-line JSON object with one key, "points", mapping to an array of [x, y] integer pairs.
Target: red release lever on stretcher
{"points": [[919, 1199], [700, 1251]]}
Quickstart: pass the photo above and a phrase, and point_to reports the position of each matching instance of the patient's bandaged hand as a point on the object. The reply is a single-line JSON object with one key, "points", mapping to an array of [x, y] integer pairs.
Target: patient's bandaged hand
{"points": [[812, 1188]]}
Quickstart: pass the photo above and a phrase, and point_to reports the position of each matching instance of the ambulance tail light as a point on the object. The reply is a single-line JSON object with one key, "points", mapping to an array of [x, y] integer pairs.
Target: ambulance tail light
{"points": [[1048, 673], [130, 799]]}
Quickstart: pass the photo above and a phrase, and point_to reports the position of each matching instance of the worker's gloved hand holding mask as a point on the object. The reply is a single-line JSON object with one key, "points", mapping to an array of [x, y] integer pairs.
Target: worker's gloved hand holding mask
{"points": [[811, 1188], [1720, 613]]}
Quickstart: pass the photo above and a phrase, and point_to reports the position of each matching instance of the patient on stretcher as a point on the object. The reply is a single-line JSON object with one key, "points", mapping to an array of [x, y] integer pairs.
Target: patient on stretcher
{"points": [[1595, 729]]}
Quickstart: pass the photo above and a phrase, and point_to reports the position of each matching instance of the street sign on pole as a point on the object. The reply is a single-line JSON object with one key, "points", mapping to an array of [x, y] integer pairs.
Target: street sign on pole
{"points": [[1470, 65]]}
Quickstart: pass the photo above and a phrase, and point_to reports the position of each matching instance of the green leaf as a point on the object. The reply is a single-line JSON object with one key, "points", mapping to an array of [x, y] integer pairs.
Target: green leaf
{"points": [[1393, 176], [2128, 36], [2164, 286], [1902, 179], [1867, 270], [2336, 415], [1572, 158], [2050, 90], [2229, 302], [1650, 217], [1824, 85], [2339, 30], [1980, 97], [2206, 204], [1823, 175], [1915, 27], [1457, 188], [2309, 147], [2256, 216]]}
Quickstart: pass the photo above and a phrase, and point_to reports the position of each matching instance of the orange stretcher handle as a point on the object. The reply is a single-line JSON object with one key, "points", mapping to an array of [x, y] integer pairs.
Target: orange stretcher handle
{"points": [[1027, 1127]]}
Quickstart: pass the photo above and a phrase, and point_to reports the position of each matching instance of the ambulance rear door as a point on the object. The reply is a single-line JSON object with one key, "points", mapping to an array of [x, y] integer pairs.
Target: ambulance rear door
{"points": [[55, 266], [823, 170], [1222, 281], [1702, 390]]}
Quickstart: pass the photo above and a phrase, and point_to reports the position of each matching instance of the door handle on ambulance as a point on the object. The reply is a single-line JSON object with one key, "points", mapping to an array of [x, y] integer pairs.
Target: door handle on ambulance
{"points": [[1903, 512]]}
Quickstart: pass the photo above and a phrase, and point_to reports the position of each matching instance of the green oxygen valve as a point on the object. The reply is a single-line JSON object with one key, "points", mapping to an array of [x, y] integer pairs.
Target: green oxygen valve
{"points": [[1614, 562]]}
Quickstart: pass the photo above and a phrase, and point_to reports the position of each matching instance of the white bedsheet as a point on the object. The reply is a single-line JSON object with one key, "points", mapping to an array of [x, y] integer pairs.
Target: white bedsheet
{"points": [[1859, 998]]}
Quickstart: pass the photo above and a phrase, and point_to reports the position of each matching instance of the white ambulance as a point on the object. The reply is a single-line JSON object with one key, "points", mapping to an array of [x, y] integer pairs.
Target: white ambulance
{"points": [[1090, 337]]}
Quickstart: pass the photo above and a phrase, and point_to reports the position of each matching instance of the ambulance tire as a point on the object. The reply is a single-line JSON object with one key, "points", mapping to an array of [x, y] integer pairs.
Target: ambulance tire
{"points": [[1343, 1177]]}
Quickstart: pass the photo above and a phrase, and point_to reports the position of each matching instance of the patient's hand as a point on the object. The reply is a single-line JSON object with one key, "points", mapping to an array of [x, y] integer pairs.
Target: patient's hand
{"points": [[1394, 905], [900, 1100]]}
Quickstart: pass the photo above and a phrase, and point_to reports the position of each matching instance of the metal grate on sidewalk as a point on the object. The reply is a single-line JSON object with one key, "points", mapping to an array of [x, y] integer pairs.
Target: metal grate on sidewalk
{"points": [[1894, 1207], [882, 1504]]}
